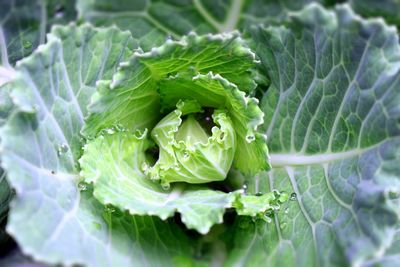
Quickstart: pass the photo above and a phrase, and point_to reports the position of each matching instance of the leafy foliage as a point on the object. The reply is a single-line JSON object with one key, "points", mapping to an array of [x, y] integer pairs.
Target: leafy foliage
{"points": [[119, 140]]}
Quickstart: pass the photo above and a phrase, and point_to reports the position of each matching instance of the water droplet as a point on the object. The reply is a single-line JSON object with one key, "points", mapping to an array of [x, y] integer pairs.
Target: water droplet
{"points": [[109, 209], [62, 149], [275, 206], [250, 138], [293, 197], [244, 187], [35, 108], [27, 44], [267, 218], [393, 194], [59, 11], [283, 226], [110, 131], [97, 225], [82, 186], [120, 128], [144, 167], [165, 186], [186, 155], [286, 211]]}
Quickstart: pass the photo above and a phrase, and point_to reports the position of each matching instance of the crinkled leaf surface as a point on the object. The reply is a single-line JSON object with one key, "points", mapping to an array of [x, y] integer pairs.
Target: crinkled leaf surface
{"points": [[24, 24], [388, 9], [5, 197], [5, 190], [214, 91], [50, 218], [151, 21], [332, 120], [187, 153], [132, 99], [124, 185]]}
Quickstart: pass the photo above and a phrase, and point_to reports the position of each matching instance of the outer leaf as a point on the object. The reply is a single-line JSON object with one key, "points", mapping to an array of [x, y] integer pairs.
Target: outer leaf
{"points": [[24, 23], [388, 9], [152, 21], [133, 90], [5, 190], [50, 219], [332, 118], [5, 197], [124, 185]]}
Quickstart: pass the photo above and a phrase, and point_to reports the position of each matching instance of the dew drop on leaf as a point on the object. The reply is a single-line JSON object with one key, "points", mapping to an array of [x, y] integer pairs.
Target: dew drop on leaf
{"points": [[186, 155], [283, 226], [244, 187], [97, 225], [267, 217], [27, 44], [109, 209], [250, 138], [293, 197], [59, 12], [62, 149], [144, 167], [82, 186], [393, 194], [286, 211], [165, 186], [110, 131]]}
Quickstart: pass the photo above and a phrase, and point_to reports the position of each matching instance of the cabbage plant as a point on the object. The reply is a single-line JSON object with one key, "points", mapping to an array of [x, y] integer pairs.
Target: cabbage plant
{"points": [[201, 133]]}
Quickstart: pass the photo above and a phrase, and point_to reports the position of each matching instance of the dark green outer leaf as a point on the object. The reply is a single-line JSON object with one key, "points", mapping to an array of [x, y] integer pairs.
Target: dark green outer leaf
{"points": [[388, 9], [151, 21], [50, 218], [332, 120], [24, 24]]}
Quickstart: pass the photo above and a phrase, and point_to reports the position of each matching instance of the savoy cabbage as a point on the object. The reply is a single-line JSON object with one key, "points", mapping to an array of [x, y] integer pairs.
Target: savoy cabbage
{"points": [[200, 133]]}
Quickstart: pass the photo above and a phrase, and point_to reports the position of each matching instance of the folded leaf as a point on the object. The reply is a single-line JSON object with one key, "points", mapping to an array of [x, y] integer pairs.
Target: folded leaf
{"points": [[123, 184]]}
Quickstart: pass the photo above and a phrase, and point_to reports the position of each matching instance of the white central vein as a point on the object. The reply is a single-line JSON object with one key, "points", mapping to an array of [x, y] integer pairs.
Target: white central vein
{"points": [[3, 49], [232, 17], [292, 159]]}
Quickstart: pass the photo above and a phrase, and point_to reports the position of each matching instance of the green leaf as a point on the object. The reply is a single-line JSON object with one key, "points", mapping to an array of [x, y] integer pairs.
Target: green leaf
{"points": [[5, 190], [124, 184], [133, 89], [214, 91], [50, 218], [151, 22], [24, 24], [182, 158], [388, 9], [5, 197], [332, 120]]}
